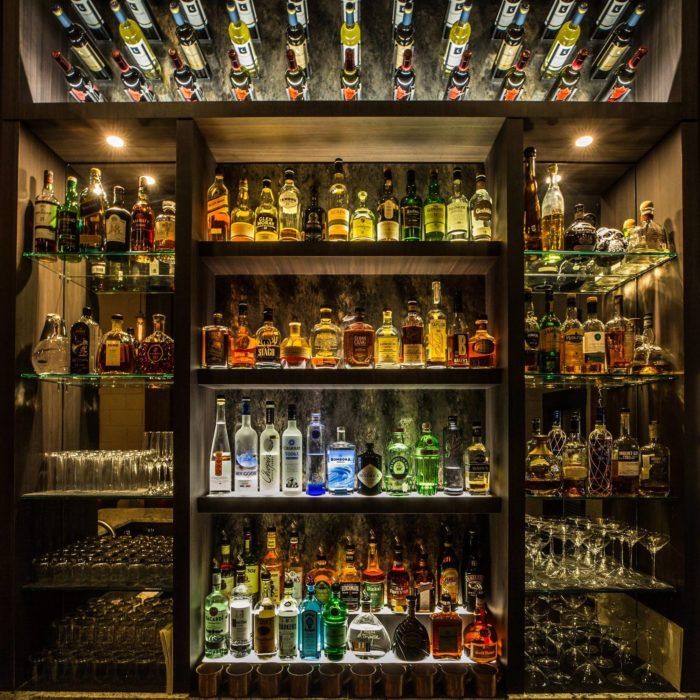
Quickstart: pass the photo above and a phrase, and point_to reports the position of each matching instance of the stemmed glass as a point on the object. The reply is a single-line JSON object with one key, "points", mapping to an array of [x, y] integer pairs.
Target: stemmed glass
{"points": [[646, 675], [632, 535], [622, 634], [654, 542]]}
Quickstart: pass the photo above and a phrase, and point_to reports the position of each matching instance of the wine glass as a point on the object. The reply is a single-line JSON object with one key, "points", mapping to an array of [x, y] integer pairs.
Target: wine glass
{"points": [[646, 675], [654, 542], [622, 634]]}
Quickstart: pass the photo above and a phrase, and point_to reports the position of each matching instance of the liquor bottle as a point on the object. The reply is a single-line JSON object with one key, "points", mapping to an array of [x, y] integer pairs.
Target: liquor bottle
{"points": [[92, 19], [270, 453], [411, 211], [556, 437], [350, 35], [83, 46], [93, 204], [552, 222], [226, 566], [242, 343], [581, 233], [542, 467], [480, 638], [325, 342], [532, 334], [412, 346], [411, 641], [218, 217], [369, 472], [271, 564], [504, 18], [220, 460], [593, 340], [266, 214], [340, 462], [115, 354], [156, 352], [216, 618], [137, 87], [452, 457], [239, 34], [293, 568], [315, 224], [117, 224], [315, 457], [323, 577], [187, 39], [51, 355], [246, 447], [619, 340], [289, 209], [358, 342], [310, 624], [457, 88], [473, 575], [482, 345], [362, 221], [241, 615], [398, 581], [350, 82], [46, 208], [197, 18], [246, 10], [616, 45], [404, 35], [80, 86], [296, 80], [399, 474], [574, 461], [655, 473], [292, 461], [373, 576], [480, 211], [532, 221], [250, 561], [625, 471], [242, 216], [510, 44], [564, 44], [436, 336], [339, 211], [142, 14], [335, 625], [67, 220], [620, 86], [648, 357], [566, 84], [423, 583], [448, 569], [242, 89], [350, 579], [457, 42], [265, 620], [184, 79], [84, 340], [571, 334], [427, 461], [457, 210], [513, 84], [608, 18], [599, 458], [558, 14], [386, 343], [457, 336], [143, 220], [550, 337], [434, 211], [648, 236], [267, 343], [405, 79], [135, 40], [288, 623], [477, 464], [447, 631], [367, 636], [296, 38]]}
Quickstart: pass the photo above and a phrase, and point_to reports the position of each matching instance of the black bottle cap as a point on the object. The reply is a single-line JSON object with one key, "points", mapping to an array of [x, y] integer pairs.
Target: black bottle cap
{"points": [[291, 412], [530, 152], [87, 311], [267, 314]]}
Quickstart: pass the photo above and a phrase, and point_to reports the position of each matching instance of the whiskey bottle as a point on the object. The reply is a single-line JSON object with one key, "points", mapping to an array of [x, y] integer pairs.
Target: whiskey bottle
{"points": [[117, 224], [482, 345], [532, 223], [399, 476], [452, 458], [386, 343], [115, 354], [427, 461], [411, 211], [574, 461], [480, 210], [447, 631], [267, 343], [265, 620], [550, 337], [339, 210], [270, 457], [184, 79], [93, 204], [323, 577], [271, 565], [218, 217], [457, 210], [412, 346], [655, 473], [581, 234], [350, 579], [474, 573], [245, 475], [325, 342], [448, 569], [373, 576], [164, 234], [369, 472], [143, 220], [553, 212], [315, 457], [80, 87], [292, 460], [67, 219], [434, 211], [532, 334], [288, 623], [45, 217], [599, 458], [619, 340], [411, 641], [593, 339], [156, 353], [315, 219], [335, 625], [398, 581], [436, 337], [477, 464], [367, 636], [542, 468], [220, 478], [571, 354], [405, 79], [480, 638], [423, 582], [242, 344], [358, 342], [510, 43], [216, 618], [242, 216], [457, 88], [84, 340], [295, 351], [625, 459], [289, 209], [242, 89], [362, 222], [266, 216]]}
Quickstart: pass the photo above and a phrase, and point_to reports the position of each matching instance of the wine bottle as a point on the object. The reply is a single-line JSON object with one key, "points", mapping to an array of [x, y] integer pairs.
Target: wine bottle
{"points": [[137, 87], [452, 15], [458, 41], [558, 14], [141, 12], [350, 84], [504, 18], [187, 38], [405, 79], [80, 86], [620, 86], [92, 19], [458, 84], [404, 35], [242, 89], [240, 36], [608, 18], [295, 78], [510, 44], [616, 46], [184, 79], [350, 34], [566, 84], [197, 18], [137, 43], [564, 44], [246, 10], [514, 83], [296, 38]]}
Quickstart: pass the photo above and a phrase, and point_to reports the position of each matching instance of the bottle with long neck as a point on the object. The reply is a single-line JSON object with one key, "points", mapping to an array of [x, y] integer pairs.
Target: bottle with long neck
{"points": [[616, 45], [220, 460], [404, 35], [552, 222], [80, 86], [350, 34], [142, 220], [510, 44], [513, 84], [532, 226], [293, 567], [373, 576], [458, 41], [67, 219], [457, 88], [270, 453], [621, 85], [266, 214], [242, 89], [608, 18], [339, 211], [292, 465], [593, 339], [558, 14], [197, 18], [296, 38], [141, 12], [187, 38], [566, 84], [296, 80], [564, 44], [504, 18], [239, 34], [532, 334], [550, 338], [350, 83], [93, 203], [133, 37], [242, 227], [45, 217], [92, 19], [137, 87], [184, 79]]}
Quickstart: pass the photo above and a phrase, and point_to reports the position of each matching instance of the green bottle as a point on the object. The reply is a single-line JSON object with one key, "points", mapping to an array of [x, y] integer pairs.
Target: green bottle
{"points": [[434, 211], [68, 219], [398, 476], [427, 457], [550, 332], [216, 618], [139, 48], [564, 44], [335, 625], [411, 211]]}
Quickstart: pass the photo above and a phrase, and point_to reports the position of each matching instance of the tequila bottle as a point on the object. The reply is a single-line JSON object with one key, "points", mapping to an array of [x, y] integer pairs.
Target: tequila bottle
{"points": [[242, 216], [220, 459], [242, 344], [625, 459], [574, 461], [553, 213], [310, 624], [457, 210], [619, 340], [571, 353], [448, 569], [241, 614], [373, 576], [288, 623], [289, 209], [427, 460], [323, 577], [457, 336], [369, 472], [325, 342], [550, 337], [265, 621], [452, 457], [600, 458], [339, 210], [246, 449], [292, 460], [482, 345], [362, 222], [399, 474], [272, 565], [556, 437], [480, 638], [295, 351], [335, 625], [350, 579], [267, 343], [655, 474], [436, 336], [386, 343], [266, 214], [412, 346], [388, 226], [477, 464], [542, 468], [434, 211], [411, 641], [216, 618], [315, 457], [293, 568], [480, 211], [447, 631], [270, 453], [398, 581], [423, 583], [648, 236], [593, 339], [340, 463], [367, 636], [411, 211]]}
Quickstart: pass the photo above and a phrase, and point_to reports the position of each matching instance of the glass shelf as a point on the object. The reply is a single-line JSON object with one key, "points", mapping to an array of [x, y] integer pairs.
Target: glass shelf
{"points": [[569, 381], [104, 380], [93, 495], [39, 586], [77, 257], [566, 499], [588, 272], [642, 588]]}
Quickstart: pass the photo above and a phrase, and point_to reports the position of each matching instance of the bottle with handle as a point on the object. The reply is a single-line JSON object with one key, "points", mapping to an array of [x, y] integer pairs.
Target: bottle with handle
{"points": [[137, 87], [92, 19], [566, 84], [620, 86], [616, 45], [184, 79], [239, 34], [187, 38], [135, 40], [510, 44], [242, 89], [513, 84], [141, 12], [564, 44], [458, 40], [80, 86], [457, 88], [350, 83]]}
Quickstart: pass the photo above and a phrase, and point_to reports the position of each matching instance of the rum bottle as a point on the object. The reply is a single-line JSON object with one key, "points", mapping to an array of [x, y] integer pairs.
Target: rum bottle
{"points": [[226, 565], [216, 618]]}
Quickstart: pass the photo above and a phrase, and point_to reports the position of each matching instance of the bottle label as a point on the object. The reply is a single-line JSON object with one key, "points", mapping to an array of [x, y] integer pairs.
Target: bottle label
{"points": [[411, 217], [246, 471], [482, 652], [387, 350], [215, 620], [449, 637], [266, 223], [369, 475], [140, 13], [323, 590], [220, 471], [287, 635], [506, 56], [267, 353], [611, 57], [511, 94], [481, 220], [449, 583], [361, 347], [654, 468], [484, 346], [453, 55], [296, 577], [437, 340], [478, 463], [424, 591], [265, 641], [563, 94], [335, 634], [300, 53], [67, 228], [276, 586], [269, 469], [532, 340], [398, 467], [215, 348], [89, 58], [617, 93], [115, 229], [309, 621], [246, 53], [388, 230], [362, 228], [573, 349], [165, 231], [611, 17], [79, 349], [252, 574], [434, 218], [412, 353], [113, 355], [559, 55], [626, 463], [398, 590], [143, 56], [350, 594], [98, 269], [194, 12], [194, 56], [457, 216], [459, 349], [45, 215], [218, 204], [375, 592], [289, 202], [594, 346], [240, 621], [549, 339], [242, 230], [291, 463], [338, 221]]}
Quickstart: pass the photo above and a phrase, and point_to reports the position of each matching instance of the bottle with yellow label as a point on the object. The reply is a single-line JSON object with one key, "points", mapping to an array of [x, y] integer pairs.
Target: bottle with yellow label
{"points": [[339, 211], [436, 337], [386, 343], [242, 216], [362, 224], [289, 209], [434, 211], [218, 217], [266, 214]]}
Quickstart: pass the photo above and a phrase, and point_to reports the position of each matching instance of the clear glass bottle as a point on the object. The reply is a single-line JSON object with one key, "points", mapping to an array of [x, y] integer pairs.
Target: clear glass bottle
{"points": [[45, 217], [599, 458], [358, 342], [480, 211], [648, 236], [411, 641], [335, 625], [625, 459], [452, 457], [556, 437], [246, 448], [156, 353], [340, 462], [270, 454], [265, 620], [550, 337], [553, 212], [266, 214], [399, 473], [369, 472], [271, 563], [289, 209], [241, 615], [323, 577], [242, 343], [350, 579], [427, 460], [267, 343], [315, 220], [242, 216], [412, 346], [457, 336], [655, 474], [482, 345], [164, 236], [373, 576], [85, 336], [51, 355], [215, 344], [619, 340], [310, 624], [581, 233], [216, 618], [315, 456], [388, 211], [423, 580], [339, 207], [447, 631], [386, 343], [93, 204], [218, 217], [411, 212], [542, 468], [477, 464], [532, 334], [480, 638], [593, 339], [434, 211], [295, 351], [288, 623], [292, 450], [457, 210], [325, 342], [220, 480], [574, 461], [436, 336], [143, 220], [367, 636], [362, 222], [648, 357], [571, 335], [115, 354]]}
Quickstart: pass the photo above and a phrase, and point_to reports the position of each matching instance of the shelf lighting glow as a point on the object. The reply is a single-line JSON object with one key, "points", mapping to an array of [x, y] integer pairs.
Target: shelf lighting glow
{"points": [[115, 141], [584, 141], [150, 180]]}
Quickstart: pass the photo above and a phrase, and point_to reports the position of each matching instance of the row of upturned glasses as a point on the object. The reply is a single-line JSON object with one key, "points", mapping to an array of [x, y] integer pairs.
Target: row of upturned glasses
{"points": [[577, 552], [132, 561], [571, 644]]}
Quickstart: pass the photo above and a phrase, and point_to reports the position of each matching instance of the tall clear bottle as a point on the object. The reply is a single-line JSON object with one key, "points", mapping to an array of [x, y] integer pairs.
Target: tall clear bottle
{"points": [[246, 449], [457, 210], [532, 224], [315, 457], [269, 453], [553, 212], [480, 211], [220, 454], [452, 456], [241, 615], [600, 458], [265, 620], [288, 623], [292, 460], [339, 208], [289, 209]]}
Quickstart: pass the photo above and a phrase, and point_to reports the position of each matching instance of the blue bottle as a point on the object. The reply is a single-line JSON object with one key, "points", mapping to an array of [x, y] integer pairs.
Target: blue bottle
{"points": [[341, 466], [310, 624], [315, 457]]}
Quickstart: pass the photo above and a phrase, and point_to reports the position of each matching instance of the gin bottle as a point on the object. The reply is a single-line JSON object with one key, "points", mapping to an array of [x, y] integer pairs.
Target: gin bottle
{"points": [[655, 474], [411, 641], [216, 618], [599, 458], [341, 465], [292, 460], [367, 636], [220, 455], [241, 615], [315, 457], [310, 624], [399, 475], [288, 630], [369, 472], [452, 456], [246, 447], [427, 456], [335, 625], [269, 453]]}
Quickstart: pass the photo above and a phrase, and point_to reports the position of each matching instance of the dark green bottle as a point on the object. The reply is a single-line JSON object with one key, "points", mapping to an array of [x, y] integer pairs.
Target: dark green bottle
{"points": [[68, 219], [335, 625], [550, 331], [411, 211], [434, 211]]}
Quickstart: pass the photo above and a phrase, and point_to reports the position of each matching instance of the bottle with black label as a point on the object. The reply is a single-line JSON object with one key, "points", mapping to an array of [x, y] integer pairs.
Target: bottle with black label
{"points": [[117, 224], [84, 339], [411, 211], [473, 575], [369, 472]]}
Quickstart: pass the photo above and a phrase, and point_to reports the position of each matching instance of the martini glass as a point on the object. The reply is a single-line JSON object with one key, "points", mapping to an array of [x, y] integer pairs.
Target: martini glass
{"points": [[654, 542], [632, 535], [621, 632], [646, 675]]}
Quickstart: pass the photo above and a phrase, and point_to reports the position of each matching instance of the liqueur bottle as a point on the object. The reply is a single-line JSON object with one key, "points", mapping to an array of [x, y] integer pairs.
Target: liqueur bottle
{"points": [[480, 638], [156, 353], [216, 618], [292, 461], [295, 351], [220, 478], [593, 339], [46, 208], [574, 461], [457, 210], [323, 577], [504, 18], [369, 472], [272, 565], [625, 459], [648, 236], [655, 473], [566, 85], [373, 576], [552, 222], [241, 614], [187, 39], [265, 620], [457, 336], [250, 561], [67, 219], [115, 354], [404, 34], [482, 345], [293, 568], [242, 216], [358, 342], [266, 215], [427, 461], [80, 87], [532, 227], [84, 340], [246, 451], [619, 340], [350, 34], [510, 43], [399, 474], [242, 344], [270, 457], [339, 211], [436, 337], [457, 88], [267, 343], [288, 624], [564, 44], [480, 210], [218, 217], [405, 79], [136, 85], [620, 86], [411, 211], [289, 209], [447, 631], [296, 38], [600, 458], [542, 468], [386, 343], [184, 79], [315, 456], [143, 220], [310, 624], [136, 42], [226, 567], [581, 234], [412, 346], [473, 575], [434, 211], [458, 40], [239, 35], [550, 337], [477, 464], [411, 641], [315, 225], [93, 204], [452, 458], [367, 636], [350, 579], [325, 342], [513, 84], [616, 45], [423, 582], [571, 354], [350, 79], [242, 89], [362, 222], [556, 437], [335, 625], [532, 334], [340, 463], [398, 581]]}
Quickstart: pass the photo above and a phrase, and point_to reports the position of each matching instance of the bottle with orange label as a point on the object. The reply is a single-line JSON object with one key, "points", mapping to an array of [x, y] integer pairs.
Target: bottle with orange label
{"points": [[566, 84], [514, 82], [218, 217], [220, 459], [339, 210]]}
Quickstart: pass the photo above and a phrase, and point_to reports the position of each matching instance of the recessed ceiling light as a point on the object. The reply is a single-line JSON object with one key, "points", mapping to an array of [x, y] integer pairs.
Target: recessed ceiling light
{"points": [[115, 141], [150, 180], [583, 141]]}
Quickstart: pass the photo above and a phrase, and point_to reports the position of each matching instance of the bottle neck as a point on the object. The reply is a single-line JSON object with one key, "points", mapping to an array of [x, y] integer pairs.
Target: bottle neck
{"points": [[220, 412]]}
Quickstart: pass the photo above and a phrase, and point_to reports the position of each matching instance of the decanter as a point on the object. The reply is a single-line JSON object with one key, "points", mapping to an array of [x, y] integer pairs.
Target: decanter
{"points": [[581, 234], [51, 355], [367, 636], [156, 353], [648, 357], [411, 640], [648, 236], [116, 352], [542, 469]]}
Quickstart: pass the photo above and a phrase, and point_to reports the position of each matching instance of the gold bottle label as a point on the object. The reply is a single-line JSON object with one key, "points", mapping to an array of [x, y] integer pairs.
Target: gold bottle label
{"points": [[437, 340]]}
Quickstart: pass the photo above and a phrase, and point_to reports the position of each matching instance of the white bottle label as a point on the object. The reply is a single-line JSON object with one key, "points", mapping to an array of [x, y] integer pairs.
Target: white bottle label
{"points": [[558, 14], [220, 472], [300, 6], [143, 56], [506, 14], [195, 13], [269, 464], [289, 202], [457, 216], [559, 56], [287, 635], [45, 220], [115, 229], [291, 463], [240, 620], [453, 54], [140, 13], [611, 14], [246, 471], [246, 54], [246, 11], [87, 11], [454, 12]]}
